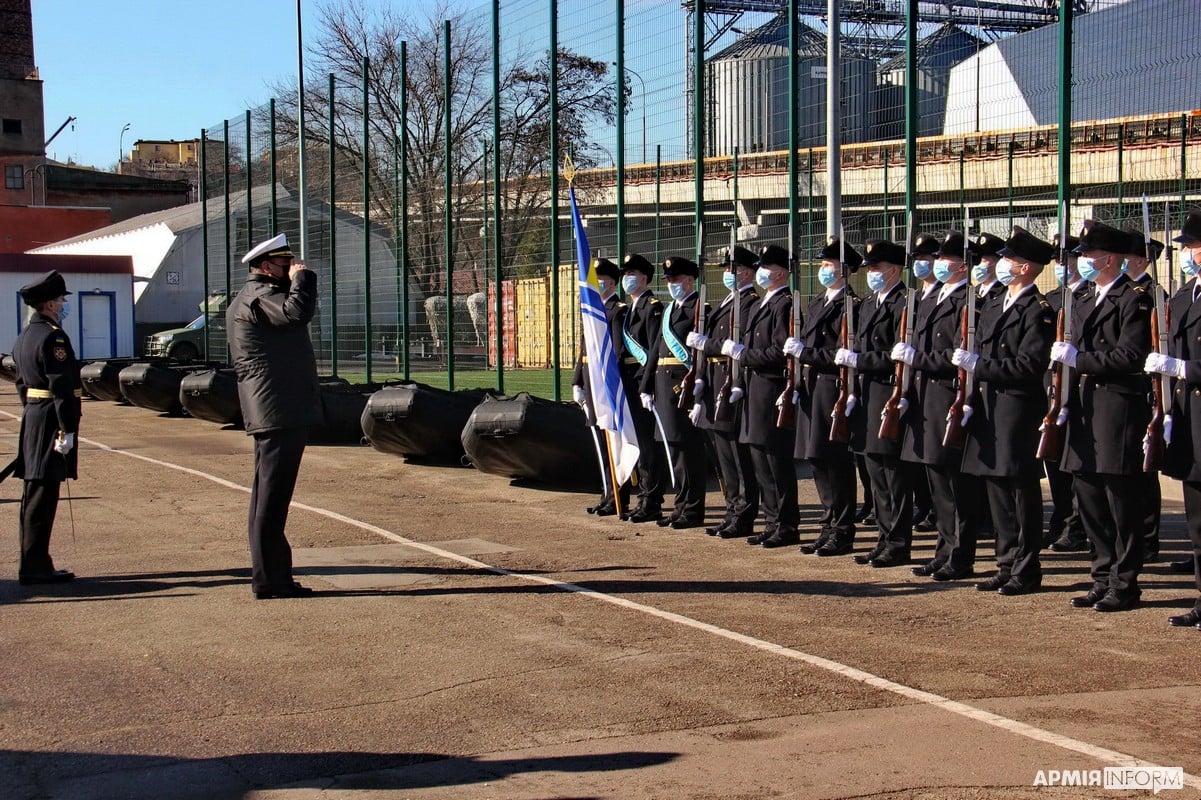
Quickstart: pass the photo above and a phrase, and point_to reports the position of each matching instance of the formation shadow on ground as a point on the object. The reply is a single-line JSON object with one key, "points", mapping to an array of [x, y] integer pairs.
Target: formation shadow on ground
{"points": [[50, 775]]}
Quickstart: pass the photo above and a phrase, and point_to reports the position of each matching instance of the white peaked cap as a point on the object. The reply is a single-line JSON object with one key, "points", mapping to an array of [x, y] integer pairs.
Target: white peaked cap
{"points": [[275, 246]]}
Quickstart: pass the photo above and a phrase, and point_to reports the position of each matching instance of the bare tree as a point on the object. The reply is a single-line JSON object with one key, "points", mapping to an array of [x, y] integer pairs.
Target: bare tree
{"points": [[348, 33]]}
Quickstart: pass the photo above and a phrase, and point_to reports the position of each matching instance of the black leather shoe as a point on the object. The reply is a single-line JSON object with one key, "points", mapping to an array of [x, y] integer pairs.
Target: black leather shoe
{"points": [[1190, 620], [869, 520], [683, 523], [715, 530], [949, 573], [888, 560], [925, 570], [835, 548], [605, 511], [782, 538], [1067, 543], [925, 526], [1089, 600], [761, 537], [1182, 567], [992, 584], [54, 576], [734, 533], [295, 590], [867, 558], [639, 517], [1151, 557], [668, 520], [1112, 601], [809, 548], [1017, 587], [862, 514]]}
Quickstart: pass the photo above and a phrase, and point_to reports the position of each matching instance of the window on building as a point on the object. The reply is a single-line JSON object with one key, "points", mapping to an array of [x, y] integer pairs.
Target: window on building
{"points": [[12, 126], [14, 176]]}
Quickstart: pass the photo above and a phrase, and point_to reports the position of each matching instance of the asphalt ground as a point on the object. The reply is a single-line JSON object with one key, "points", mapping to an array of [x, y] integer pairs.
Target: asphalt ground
{"points": [[476, 639]]}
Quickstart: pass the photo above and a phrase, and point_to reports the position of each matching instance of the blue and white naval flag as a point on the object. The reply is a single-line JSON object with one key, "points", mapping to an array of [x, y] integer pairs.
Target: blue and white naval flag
{"points": [[608, 398]]}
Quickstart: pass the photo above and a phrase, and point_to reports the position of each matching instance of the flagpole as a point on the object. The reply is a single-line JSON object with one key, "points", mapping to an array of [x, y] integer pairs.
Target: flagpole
{"points": [[613, 475], [304, 220]]}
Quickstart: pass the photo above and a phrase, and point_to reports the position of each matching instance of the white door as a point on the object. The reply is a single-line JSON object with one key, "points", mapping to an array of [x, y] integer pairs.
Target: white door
{"points": [[96, 326]]}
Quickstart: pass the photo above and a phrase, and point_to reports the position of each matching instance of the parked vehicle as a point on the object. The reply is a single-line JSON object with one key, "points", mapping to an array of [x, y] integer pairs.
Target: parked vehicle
{"points": [[187, 343]]}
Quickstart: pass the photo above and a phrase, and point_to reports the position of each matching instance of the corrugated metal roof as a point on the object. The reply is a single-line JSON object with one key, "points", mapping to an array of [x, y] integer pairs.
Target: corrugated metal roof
{"points": [[943, 49], [771, 41]]}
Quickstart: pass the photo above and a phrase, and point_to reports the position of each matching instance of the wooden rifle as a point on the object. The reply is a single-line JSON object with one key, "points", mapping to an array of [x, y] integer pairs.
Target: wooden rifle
{"points": [[688, 384], [956, 434], [1050, 441], [723, 409], [890, 418], [840, 424], [1161, 390], [792, 371]]}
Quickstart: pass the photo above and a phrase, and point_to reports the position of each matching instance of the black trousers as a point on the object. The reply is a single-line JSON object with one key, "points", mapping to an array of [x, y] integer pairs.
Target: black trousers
{"points": [[776, 473], [1151, 511], [39, 503], [892, 493], [1192, 513], [836, 483], [651, 460], [276, 464], [692, 476], [1065, 516], [606, 500], [869, 503], [923, 499], [956, 502], [1111, 507], [738, 474], [1016, 504]]}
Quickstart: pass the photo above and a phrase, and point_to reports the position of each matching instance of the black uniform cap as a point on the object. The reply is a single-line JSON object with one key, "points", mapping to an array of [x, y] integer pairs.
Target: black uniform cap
{"points": [[834, 250], [606, 268], [988, 245], [953, 245], [48, 287], [772, 255], [674, 266], [1190, 232], [1099, 236], [1028, 247], [742, 258], [1072, 244], [635, 262], [878, 250], [926, 244], [1138, 244]]}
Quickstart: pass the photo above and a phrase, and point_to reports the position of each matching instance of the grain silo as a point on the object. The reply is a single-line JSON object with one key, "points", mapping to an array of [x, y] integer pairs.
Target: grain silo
{"points": [[748, 90], [936, 55]]}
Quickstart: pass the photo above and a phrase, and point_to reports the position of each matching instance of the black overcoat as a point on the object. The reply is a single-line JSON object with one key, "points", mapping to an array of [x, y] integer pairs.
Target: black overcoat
{"points": [[877, 329], [46, 362], [763, 362], [719, 327], [937, 333], [819, 379]]}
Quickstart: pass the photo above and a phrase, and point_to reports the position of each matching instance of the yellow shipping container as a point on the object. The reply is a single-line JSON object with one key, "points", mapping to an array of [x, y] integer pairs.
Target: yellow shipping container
{"points": [[570, 325], [532, 297]]}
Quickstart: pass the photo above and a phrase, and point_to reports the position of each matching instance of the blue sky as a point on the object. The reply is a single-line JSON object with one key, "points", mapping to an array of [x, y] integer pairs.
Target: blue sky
{"points": [[167, 68]]}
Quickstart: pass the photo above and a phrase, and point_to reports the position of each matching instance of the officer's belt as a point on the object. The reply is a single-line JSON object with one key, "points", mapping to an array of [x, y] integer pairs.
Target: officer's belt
{"points": [[630, 360], [46, 394], [670, 361]]}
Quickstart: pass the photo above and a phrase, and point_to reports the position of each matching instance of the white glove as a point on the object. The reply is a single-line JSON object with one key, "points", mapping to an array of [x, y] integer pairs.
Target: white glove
{"points": [[1146, 444], [735, 394], [793, 346], [648, 401], [780, 399], [577, 394], [1164, 365], [902, 407], [1062, 418], [903, 352], [846, 358], [965, 359], [65, 444], [1167, 429], [696, 340], [698, 386], [1064, 353], [697, 413], [796, 397], [732, 349], [967, 414], [851, 401]]}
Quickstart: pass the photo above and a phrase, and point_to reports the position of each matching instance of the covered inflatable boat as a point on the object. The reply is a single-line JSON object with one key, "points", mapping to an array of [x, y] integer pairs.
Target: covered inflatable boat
{"points": [[155, 385], [8, 367], [420, 422], [212, 395], [342, 405], [101, 379], [530, 438]]}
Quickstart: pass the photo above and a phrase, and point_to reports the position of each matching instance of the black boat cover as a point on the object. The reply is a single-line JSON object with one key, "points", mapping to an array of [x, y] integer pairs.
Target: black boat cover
{"points": [[420, 422]]}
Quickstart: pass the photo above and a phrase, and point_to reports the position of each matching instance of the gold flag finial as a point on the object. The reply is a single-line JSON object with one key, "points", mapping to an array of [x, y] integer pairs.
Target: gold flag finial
{"points": [[568, 169]]}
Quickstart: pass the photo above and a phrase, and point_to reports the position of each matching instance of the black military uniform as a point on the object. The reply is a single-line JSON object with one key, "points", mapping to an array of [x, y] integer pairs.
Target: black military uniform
{"points": [[669, 361], [771, 448], [615, 313], [1013, 340], [937, 332], [733, 458], [877, 328], [1065, 532], [1152, 499], [639, 334], [925, 247], [272, 354], [1180, 458], [988, 246], [833, 463], [50, 390], [1108, 413]]}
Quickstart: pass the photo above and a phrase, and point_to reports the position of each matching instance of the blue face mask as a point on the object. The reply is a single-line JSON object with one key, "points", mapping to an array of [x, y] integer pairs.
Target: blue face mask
{"points": [[629, 283], [727, 280], [1187, 265], [1061, 273], [875, 281], [66, 310], [1087, 267], [1005, 271], [1125, 266], [942, 270], [763, 276], [676, 290], [922, 269], [980, 273], [827, 276]]}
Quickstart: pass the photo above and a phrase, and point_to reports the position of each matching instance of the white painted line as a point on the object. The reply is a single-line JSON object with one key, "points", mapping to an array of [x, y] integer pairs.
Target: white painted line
{"points": [[962, 709]]}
